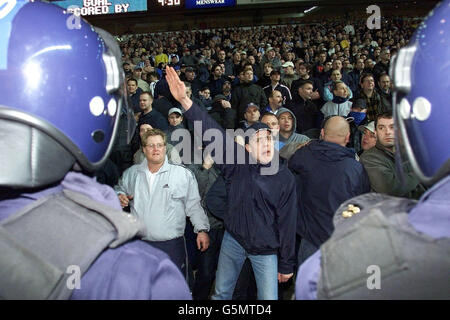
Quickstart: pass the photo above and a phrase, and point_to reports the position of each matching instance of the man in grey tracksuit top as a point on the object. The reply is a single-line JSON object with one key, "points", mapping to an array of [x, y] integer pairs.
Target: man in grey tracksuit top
{"points": [[162, 198]]}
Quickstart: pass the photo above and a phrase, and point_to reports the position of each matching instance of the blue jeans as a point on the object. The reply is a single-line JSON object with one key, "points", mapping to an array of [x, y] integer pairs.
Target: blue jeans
{"points": [[231, 258]]}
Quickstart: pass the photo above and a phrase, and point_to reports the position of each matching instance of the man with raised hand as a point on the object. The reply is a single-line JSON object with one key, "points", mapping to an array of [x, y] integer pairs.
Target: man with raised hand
{"points": [[261, 218]]}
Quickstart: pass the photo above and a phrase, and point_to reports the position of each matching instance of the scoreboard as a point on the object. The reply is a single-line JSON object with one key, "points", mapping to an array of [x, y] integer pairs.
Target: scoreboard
{"points": [[98, 7], [102, 7]]}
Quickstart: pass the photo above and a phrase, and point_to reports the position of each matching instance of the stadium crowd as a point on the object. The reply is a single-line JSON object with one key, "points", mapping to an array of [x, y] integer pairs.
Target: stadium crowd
{"points": [[224, 164], [324, 93]]}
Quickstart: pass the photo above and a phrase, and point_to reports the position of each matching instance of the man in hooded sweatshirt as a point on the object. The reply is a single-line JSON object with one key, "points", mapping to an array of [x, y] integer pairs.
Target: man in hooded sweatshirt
{"points": [[288, 126], [327, 175]]}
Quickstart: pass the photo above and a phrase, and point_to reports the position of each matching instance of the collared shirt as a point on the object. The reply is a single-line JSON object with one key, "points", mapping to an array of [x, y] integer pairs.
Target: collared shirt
{"points": [[164, 199], [269, 109]]}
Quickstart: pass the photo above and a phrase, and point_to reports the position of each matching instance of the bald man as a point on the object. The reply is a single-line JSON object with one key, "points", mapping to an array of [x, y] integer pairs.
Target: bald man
{"points": [[327, 175], [336, 130]]}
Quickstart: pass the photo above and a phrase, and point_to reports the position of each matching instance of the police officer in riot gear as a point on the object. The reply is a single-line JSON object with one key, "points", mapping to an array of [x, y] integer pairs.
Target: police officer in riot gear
{"points": [[392, 248], [62, 234]]}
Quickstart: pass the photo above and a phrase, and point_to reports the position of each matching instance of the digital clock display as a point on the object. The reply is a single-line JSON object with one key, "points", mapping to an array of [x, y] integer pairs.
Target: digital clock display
{"points": [[169, 3]]}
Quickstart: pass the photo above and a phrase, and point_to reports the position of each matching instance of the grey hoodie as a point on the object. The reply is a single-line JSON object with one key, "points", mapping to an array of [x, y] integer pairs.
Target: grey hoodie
{"points": [[294, 137]]}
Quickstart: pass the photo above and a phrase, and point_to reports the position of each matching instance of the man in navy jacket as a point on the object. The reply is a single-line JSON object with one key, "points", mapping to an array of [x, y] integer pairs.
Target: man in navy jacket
{"points": [[327, 175], [261, 217]]}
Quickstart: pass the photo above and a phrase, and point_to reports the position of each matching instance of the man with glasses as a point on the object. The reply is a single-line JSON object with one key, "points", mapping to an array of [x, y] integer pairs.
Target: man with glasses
{"points": [[162, 194]]}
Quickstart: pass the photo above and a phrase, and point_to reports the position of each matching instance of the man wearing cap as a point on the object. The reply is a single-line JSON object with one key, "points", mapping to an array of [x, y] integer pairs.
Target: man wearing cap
{"points": [[261, 217], [196, 84], [174, 60], [275, 84], [270, 56], [137, 75], [251, 115], [369, 137], [288, 73], [226, 90], [175, 118]]}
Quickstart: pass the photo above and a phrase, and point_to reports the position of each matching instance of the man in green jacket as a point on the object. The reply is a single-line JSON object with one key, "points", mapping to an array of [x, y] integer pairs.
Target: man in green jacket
{"points": [[379, 163]]}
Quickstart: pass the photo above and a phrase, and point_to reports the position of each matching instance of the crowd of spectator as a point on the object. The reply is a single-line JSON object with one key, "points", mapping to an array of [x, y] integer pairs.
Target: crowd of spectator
{"points": [[323, 90]]}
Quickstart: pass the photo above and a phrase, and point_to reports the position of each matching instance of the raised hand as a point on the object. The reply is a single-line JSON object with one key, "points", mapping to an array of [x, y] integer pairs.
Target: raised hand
{"points": [[177, 88]]}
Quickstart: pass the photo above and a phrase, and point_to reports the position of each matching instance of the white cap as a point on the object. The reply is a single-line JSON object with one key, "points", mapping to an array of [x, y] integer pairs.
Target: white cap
{"points": [[370, 126], [172, 110], [288, 64]]}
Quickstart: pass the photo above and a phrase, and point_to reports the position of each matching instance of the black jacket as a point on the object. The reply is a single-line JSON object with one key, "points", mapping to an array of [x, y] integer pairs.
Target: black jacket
{"points": [[327, 175], [307, 114], [285, 92], [225, 117], [261, 208], [244, 94]]}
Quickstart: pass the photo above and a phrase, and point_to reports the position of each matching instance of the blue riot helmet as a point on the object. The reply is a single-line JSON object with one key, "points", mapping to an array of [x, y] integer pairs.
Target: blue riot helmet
{"points": [[62, 93], [421, 97]]}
